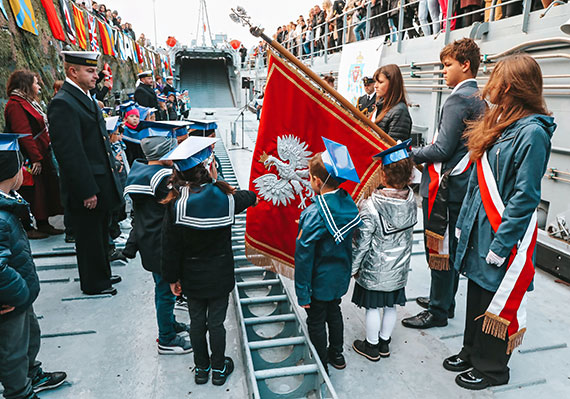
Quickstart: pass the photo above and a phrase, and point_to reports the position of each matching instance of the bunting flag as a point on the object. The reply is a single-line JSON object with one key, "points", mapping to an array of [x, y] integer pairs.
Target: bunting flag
{"points": [[53, 20], [296, 115], [24, 14], [3, 10], [68, 21], [152, 57], [106, 36], [139, 53], [128, 47], [92, 26], [80, 33], [119, 48]]}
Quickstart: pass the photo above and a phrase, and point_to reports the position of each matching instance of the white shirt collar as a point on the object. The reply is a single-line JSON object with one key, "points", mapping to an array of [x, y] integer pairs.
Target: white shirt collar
{"points": [[71, 82], [330, 192], [462, 83]]}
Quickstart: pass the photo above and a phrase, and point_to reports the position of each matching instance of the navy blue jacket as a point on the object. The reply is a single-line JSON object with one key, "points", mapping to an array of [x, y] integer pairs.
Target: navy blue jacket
{"points": [[322, 266], [463, 105], [518, 160], [19, 284]]}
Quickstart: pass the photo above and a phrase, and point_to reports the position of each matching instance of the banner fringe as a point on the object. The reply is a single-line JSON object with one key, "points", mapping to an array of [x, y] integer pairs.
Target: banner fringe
{"points": [[494, 325], [434, 241], [259, 258], [438, 262], [372, 184], [515, 340]]}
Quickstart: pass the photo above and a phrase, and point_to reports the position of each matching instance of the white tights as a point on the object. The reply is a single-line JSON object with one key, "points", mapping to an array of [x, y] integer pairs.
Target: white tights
{"points": [[373, 326]]}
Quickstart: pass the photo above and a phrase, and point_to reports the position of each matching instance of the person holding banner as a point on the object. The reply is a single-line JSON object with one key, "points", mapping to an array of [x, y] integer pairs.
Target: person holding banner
{"points": [[497, 225]]}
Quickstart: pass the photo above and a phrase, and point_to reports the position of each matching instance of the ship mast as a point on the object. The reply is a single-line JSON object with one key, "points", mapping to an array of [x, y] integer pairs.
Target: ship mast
{"points": [[204, 25]]}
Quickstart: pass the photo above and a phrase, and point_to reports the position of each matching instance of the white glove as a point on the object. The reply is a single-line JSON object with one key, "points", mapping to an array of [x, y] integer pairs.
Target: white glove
{"points": [[457, 233], [494, 259]]}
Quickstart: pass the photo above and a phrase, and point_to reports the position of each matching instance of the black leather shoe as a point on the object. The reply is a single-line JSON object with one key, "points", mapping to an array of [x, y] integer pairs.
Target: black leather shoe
{"points": [[423, 320], [107, 291], [473, 380], [423, 301], [336, 360], [456, 364], [116, 279]]}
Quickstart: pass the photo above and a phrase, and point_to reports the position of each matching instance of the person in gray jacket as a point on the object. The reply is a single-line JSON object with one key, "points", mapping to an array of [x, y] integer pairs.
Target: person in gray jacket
{"points": [[382, 251], [444, 181], [392, 115]]}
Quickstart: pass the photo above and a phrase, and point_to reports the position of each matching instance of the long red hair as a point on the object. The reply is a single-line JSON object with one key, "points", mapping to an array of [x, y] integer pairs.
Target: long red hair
{"points": [[515, 91]]}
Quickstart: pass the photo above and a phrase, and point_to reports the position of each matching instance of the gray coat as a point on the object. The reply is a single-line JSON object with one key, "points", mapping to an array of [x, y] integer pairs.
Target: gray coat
{"points": [[397, 122], [463, 105], [383, 244]]}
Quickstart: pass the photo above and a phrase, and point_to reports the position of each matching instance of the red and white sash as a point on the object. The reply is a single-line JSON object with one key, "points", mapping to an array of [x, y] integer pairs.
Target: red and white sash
{"points": [[438, 246], [505, 317]]}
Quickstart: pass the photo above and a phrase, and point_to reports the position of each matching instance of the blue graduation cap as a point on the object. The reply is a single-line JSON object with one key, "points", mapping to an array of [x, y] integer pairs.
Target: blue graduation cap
{"points": [[338, 162], [9, 141], [395, 154], [124, 107], [191, 152], [162, 98], [202, 127], [112, 123], [162, 128]]}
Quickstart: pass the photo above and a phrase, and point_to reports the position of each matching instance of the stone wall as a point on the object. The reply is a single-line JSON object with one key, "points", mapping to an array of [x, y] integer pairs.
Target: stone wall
{"points": [[21, 49]]}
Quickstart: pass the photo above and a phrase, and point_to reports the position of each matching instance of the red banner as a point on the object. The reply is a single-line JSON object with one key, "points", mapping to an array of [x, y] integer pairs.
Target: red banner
{"points": [[296, 114], [53, 20], [80, 31]]}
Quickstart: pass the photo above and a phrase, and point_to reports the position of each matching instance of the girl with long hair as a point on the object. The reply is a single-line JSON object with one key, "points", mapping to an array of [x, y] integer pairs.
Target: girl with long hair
{"points": [[392, 115], [496, 228], [197, 257]]}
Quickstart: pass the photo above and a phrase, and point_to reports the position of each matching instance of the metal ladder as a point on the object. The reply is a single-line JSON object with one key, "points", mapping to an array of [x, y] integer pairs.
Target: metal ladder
{"points": [[281, 361]]}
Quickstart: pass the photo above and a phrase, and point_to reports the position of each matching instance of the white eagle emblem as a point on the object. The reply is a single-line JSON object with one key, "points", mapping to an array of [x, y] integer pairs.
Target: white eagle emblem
{"points": [[292, 176]]}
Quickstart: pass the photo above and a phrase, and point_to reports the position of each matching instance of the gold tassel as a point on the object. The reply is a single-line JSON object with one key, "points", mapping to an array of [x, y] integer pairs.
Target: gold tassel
{"points": [[434, 241], [495, 325], [515, 340], [372, 184], [438, 262]]}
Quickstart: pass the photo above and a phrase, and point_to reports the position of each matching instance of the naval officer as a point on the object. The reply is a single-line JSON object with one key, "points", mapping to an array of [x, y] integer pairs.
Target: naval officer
{"points": [[145, 94], [367, 103], [89, 179]]}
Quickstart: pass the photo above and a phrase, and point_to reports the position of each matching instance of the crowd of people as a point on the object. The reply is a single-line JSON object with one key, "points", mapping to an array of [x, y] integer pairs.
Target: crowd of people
{"points": [[113, 18], [334, 23], [183, 212]]}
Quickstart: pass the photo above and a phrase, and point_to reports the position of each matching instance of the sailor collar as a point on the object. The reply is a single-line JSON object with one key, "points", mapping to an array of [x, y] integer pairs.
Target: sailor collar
{"points": [[339, 213], [144, 179], [207, 209]]}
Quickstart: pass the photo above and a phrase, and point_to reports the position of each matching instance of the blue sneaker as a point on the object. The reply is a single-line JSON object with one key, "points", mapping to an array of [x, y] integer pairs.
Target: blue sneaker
{"points": [[44, 381], [177, 346], [219, 376]]}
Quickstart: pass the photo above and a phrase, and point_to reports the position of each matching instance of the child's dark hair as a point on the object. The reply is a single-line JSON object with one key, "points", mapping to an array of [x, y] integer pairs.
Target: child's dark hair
{"points": [[193, 178], [463, 50], [398, 174], [317, 169]]}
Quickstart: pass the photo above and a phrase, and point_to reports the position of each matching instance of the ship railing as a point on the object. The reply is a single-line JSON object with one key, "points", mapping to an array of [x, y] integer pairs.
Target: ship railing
{"points": [[319, 41]]}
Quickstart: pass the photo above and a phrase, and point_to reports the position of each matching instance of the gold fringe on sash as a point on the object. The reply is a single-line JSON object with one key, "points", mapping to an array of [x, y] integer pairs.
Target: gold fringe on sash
{"points": [[498, 326], [260, 258], [371, 185], [438, 262], [515, 340], [434, 241]]}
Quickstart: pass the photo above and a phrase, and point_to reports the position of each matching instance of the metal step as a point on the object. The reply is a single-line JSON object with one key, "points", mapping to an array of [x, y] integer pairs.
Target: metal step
{"points": [[260, 333]]}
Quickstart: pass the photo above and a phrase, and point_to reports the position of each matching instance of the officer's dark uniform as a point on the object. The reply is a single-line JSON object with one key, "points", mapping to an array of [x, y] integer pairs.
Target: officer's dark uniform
{"points": [[146, 96], [367, 104], [81, 146]]}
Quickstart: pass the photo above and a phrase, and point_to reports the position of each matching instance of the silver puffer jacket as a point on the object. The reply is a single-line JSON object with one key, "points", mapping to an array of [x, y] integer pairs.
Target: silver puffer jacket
{"points": [[383, 244]]}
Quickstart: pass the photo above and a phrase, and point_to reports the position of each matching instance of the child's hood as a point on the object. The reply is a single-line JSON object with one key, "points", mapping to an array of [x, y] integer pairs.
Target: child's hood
{"points": [[399, 213]]}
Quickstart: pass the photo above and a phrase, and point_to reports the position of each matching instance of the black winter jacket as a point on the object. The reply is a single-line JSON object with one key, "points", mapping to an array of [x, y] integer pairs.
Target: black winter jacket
{"points": [[202, 260], [19, 284], [397, 122]]}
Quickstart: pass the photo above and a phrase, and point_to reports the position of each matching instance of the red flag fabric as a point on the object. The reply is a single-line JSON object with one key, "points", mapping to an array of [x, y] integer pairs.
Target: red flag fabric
{"points": [[296, 115], [106, 36], [53, 20], [139, 53], [80, 31], [92, 27]]}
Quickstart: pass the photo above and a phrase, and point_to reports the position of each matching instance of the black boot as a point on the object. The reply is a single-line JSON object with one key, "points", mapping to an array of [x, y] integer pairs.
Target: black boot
{"points": [[384, 347], [366, 349]]}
